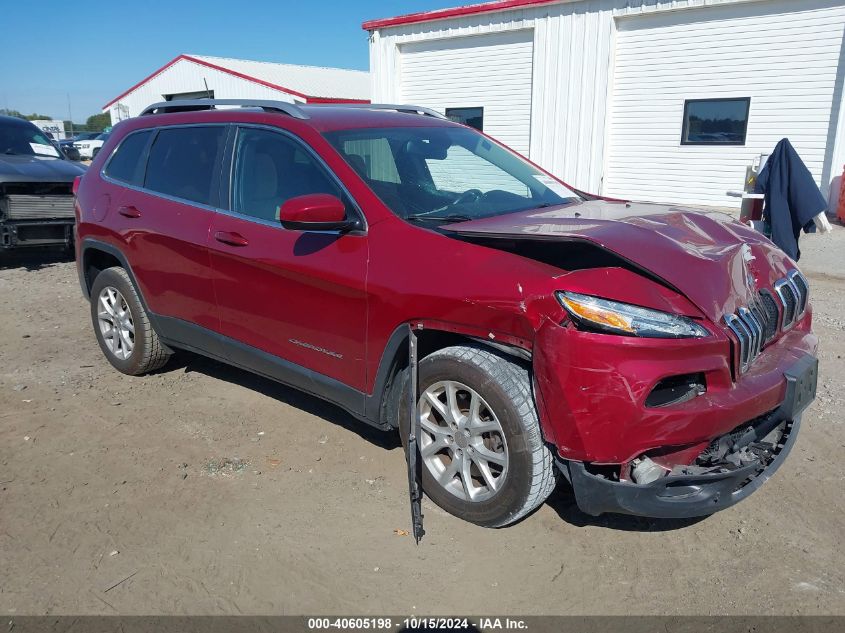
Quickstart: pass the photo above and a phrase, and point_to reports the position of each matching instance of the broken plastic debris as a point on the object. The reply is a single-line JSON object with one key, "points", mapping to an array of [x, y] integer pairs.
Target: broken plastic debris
{"points": [[399, 532]]}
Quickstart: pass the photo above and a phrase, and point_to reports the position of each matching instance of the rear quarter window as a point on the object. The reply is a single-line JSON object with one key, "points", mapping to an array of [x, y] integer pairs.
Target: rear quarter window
{"points": [[184, 161], [127, 164]]}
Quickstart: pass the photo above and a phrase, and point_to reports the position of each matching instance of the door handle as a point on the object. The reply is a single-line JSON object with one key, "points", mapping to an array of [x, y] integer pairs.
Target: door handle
{"points": [[231, 238], [129, 212]]}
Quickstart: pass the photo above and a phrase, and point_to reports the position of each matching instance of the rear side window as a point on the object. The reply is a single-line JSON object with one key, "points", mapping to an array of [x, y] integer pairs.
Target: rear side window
{"points": [[127, 164], [183, 163]]}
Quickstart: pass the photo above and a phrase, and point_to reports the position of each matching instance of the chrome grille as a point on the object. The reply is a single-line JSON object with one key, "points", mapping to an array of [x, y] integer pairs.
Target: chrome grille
{"points": [[30, 207], [771, 314], [757, 324], [803, 289], [750, 334], [793, 293]]}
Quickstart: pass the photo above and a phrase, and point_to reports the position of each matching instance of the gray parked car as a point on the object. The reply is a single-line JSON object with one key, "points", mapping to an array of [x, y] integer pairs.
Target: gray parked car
{"points": [[36, 180]]}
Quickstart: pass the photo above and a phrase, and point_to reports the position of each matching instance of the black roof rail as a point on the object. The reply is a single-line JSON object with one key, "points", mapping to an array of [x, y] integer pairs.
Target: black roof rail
{"points": [[188, 105], [408, 109]]}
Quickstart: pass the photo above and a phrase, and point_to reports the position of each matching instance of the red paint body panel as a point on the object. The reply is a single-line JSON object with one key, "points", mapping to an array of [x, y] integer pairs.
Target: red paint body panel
{"points": [[286, 288], [594, 389], [330, 303]]}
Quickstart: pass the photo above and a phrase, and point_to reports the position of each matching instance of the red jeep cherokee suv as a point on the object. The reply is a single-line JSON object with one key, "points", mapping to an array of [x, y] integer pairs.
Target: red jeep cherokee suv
{"points": [[659, 359]]}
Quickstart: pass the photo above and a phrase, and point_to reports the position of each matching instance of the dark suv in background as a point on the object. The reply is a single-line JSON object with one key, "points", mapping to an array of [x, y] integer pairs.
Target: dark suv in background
{"points": [[36, 203], [658, 359]]}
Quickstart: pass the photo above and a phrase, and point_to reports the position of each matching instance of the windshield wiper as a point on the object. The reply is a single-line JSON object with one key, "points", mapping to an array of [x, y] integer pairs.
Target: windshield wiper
{"points": [[425, 217]]}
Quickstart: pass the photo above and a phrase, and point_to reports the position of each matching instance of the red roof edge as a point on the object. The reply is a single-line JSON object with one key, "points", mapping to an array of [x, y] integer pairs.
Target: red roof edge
{"points": [[454, 12], [201, 62], [143, 81]]}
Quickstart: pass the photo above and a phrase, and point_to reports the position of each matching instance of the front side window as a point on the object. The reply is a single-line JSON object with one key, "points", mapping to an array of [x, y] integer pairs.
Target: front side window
{"points": [[270, 169], [715, 121], [449, 174], [183, 163], [127, 164]]}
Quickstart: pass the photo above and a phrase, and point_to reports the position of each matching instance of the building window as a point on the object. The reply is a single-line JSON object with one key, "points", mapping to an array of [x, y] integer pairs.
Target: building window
{"points": [[715, 121], [473, 117]]}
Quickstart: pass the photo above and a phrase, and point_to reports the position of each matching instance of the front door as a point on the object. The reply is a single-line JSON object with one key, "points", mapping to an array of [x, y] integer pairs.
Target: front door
{"points": [[297, 296]]}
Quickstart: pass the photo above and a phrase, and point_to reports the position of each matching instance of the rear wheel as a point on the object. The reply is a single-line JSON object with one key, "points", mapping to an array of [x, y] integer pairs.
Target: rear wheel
{"points": [[122, 326], [482, 452]]}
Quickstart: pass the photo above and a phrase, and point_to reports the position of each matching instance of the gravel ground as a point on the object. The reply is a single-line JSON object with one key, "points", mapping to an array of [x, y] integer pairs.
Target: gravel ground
{"points": [[205, 490]]}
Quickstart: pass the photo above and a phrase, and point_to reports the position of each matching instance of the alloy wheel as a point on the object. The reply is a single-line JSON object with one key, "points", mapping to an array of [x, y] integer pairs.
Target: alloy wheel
{"points": [[116, 324], [462, 442]]}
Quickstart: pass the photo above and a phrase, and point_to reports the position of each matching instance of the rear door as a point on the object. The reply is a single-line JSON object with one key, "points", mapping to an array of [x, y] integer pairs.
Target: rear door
{"points": [[295, 295], [164, 215]]}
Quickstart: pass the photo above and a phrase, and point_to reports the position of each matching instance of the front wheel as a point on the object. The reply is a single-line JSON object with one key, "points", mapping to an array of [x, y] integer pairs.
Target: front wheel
{"points": [[122, 326], [482, 452]]}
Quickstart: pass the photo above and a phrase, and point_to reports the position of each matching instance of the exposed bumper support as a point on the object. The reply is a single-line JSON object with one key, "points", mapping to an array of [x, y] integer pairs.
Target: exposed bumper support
{"points": [[690, 495], [33, 233]]}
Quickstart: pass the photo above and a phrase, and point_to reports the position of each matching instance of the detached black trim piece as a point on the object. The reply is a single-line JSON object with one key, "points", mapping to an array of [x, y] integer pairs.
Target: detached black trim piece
{"points": [[681, 496]]}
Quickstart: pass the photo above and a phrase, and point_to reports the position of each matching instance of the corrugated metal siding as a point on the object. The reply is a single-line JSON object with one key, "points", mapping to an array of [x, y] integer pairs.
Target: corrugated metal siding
{"points": [[574, 50], [785, 60], [492, 71]]}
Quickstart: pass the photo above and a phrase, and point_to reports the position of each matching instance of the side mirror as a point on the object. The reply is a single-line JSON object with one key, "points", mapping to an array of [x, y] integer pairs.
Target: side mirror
{"points": [[72, 153], [315, 212]]}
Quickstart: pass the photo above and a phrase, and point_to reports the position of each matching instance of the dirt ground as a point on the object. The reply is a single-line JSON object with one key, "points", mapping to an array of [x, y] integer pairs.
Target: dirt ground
{"points": [[205, 490]]}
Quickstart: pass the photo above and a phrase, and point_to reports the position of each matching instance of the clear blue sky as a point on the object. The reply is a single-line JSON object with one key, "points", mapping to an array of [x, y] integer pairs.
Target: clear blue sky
{"points": [[94, 50]]}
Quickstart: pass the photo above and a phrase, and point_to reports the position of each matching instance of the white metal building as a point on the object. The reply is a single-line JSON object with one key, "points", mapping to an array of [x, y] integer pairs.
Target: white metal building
{"points": [[657, 100], [195, 76]]}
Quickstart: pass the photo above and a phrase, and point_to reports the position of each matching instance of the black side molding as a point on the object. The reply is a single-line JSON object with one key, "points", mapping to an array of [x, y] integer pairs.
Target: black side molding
{"points": [[184, 335]]}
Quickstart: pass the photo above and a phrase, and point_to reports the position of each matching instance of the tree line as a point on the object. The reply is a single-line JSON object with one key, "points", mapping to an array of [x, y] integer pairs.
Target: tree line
{"points": [[94, 123]]}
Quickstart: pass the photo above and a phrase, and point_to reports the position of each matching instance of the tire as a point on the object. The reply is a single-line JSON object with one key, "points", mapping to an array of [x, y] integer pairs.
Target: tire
{"points": [[504, 396], [95, 152], [138, 353]]}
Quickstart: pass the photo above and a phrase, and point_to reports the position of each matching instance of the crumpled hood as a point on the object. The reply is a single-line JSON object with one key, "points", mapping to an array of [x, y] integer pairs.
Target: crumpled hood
{"points": [[16, 168], [701, 254]]}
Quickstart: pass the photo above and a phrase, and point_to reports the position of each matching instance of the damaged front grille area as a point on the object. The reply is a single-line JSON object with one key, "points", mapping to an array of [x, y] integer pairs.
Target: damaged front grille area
{"points": [[23, 207], [757, 443], [754, 326], [36, 201]]}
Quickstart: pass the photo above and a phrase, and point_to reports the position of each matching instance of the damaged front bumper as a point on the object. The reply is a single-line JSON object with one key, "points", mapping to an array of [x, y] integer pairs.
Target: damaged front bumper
{"points": [[749, 456]]}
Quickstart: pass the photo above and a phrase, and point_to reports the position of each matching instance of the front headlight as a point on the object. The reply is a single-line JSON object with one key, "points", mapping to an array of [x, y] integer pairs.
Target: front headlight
{"points": [[622, 318]]}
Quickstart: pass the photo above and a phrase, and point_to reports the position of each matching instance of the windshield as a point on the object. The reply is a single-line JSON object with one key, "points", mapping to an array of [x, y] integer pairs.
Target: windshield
{"points": [[102, 137], [25, 140], [446, 174]]}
